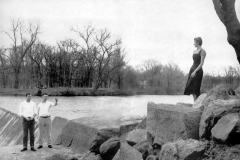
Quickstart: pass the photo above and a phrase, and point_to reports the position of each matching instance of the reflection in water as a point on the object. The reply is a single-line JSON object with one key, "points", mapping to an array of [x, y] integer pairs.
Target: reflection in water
{"points": [[107, 108]]}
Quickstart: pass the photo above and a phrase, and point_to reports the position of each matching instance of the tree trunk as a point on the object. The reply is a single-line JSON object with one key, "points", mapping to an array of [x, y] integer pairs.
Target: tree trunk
{"points": [[225, 10], [16, 80]]}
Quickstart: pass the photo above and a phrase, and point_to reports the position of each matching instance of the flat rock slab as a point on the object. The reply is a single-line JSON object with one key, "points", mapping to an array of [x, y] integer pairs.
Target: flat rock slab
{"points": [[213, 112], [14, 153], [127, 152], [80, 133], [183, 150], [224, 127], [199, 102], [58, 124], [167, 123]]}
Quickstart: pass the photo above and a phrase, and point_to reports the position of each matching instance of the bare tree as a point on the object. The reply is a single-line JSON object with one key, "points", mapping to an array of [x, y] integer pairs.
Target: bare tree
{"points": [[21, 45], [87, 53], [117, 75], [98, 53], [4, 67], [225, 10], [106, 52], [69, 59]]}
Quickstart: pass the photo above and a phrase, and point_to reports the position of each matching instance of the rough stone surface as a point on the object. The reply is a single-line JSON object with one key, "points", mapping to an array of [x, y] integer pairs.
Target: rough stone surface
{"points": [[183, 150], [213, 112], [218, 92], [87, 134], [199, 102], [125, 128], [102, 136], [144, 147], [224, 127], [152, 157], [169, 152], [58, 124], [109, 148], [168, 123], [142, 124], [127, 152], [78, 136], [190, 149], [137, 135], [222, 152], [184, 104]]}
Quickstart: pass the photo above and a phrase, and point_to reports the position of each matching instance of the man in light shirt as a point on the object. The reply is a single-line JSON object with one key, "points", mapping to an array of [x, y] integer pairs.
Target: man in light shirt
{"points": [[28, 111], [45, 119]]}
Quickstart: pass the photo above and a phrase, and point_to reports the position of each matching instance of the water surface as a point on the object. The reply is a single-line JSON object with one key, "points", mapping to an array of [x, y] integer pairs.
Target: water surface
{"points": [[103, 107]]}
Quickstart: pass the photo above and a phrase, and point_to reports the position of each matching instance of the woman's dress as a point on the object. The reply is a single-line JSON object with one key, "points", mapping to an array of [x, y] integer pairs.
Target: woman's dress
{"points": [[194, 83]]}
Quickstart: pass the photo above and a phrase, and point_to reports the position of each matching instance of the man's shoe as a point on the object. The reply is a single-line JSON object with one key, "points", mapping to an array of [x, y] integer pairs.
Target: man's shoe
{"points": [[49, 146], [39, 147], [24, 149], [33, 149]]}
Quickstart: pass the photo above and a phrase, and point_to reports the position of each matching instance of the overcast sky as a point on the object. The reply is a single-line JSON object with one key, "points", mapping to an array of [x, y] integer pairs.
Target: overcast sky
{"points": [[162, 30]]}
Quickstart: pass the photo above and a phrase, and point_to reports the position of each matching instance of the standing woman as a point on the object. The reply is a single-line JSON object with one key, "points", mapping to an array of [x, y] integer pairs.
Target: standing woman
{"points": [[196, 73]]}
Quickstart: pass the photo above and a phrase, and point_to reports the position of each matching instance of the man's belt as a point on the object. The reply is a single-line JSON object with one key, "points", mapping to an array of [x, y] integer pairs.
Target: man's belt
{"points": [[44, 116]]}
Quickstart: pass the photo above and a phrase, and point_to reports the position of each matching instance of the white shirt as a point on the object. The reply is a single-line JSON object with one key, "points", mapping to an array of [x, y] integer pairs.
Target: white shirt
{"points": [[27, 109], [44, 108]]}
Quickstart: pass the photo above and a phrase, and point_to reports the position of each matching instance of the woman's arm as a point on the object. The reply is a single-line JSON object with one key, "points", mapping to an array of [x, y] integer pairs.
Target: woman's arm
{"points": [[203, 55]]}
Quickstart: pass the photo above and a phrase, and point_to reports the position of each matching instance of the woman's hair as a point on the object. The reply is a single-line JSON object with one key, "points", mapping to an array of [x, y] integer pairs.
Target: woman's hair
{"points": [[198, 40]]}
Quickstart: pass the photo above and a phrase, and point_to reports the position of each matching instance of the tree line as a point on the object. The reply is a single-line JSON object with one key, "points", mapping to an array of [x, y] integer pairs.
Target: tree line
{"points": [[27, 62], [94, 61]]}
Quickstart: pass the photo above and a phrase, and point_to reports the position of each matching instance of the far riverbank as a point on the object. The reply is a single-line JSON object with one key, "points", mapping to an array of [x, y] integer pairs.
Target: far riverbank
{"points": [[62, 91]]}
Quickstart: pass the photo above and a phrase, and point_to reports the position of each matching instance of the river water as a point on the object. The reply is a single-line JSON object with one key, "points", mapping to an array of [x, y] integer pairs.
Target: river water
{"points": [[103, 107]]}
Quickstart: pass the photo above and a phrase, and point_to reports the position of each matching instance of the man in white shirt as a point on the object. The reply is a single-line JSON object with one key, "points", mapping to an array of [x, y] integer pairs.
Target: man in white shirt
{"points": [[28, 111], [45, 120]]}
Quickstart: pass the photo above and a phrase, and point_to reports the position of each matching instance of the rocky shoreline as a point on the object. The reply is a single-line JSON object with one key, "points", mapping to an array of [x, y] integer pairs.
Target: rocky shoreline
{"points": [[209, 130]]}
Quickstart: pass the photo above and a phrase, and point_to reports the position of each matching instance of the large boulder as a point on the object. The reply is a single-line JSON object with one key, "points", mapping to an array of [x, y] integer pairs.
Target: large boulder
{"points": [[183, 150], [58, 124], [89, 133], [218, 92], [102, 136], [137, 135], [167, 123], [225, 126], [109, 148], [127, 152], [215, 111], [142, 124], [169, 152], [199, 102], [144, 147]]}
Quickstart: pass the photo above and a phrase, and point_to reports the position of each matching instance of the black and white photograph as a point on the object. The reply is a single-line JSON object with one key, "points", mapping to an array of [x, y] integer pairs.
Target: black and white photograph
{"points": [[119, 80]]}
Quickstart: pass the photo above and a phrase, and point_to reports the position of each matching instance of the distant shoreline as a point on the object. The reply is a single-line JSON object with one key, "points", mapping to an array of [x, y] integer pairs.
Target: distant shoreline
{"points": [[70, 92], [62, 91]]}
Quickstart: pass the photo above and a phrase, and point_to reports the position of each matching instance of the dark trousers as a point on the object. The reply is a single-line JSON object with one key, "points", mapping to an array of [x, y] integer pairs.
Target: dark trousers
{"points": [[28, 126]]}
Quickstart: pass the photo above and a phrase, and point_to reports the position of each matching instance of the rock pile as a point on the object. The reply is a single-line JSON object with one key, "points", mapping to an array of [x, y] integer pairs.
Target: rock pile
{"points": [[180, 132], [208, 129]]}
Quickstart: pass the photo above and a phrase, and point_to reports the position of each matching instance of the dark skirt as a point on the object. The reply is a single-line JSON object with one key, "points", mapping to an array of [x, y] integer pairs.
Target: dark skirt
{"points": [[193, 84]]}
